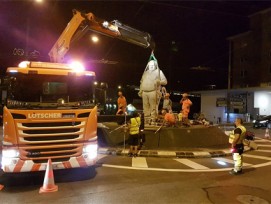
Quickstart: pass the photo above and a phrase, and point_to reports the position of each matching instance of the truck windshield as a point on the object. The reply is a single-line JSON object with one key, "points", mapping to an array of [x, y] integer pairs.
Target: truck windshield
{"points": [[50, 91]]}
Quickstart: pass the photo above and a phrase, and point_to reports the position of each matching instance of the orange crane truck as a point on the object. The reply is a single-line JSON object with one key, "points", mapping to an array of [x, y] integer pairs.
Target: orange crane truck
{"points": [[49, 110]]}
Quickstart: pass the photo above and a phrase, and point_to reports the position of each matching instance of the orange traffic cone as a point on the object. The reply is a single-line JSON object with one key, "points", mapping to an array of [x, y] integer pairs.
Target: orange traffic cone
{"points": [[49, 182], [1, 187], [267, 136]]}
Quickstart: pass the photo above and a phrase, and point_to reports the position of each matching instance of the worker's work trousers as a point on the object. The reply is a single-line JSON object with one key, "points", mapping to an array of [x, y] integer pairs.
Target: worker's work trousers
{"points": [[238, 161], [150, 104], [185, 112]]}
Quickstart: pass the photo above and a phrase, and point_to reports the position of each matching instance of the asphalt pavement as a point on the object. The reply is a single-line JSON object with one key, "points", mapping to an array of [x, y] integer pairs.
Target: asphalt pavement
{"points": [[120, 179]]}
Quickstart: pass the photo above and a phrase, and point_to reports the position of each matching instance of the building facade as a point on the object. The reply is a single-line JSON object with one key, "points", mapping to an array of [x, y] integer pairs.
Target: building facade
{"points": [[250, 53], [246, 103], [249, 80]]}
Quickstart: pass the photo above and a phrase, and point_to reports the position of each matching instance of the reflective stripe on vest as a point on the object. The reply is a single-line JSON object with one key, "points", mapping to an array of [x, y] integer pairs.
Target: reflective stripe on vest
{"points": [[134, 127]]}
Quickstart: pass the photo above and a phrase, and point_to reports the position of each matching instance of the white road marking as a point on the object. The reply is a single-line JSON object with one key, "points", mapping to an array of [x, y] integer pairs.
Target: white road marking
{"points": [[166, 153], [261, 165], [261, 141], [167, 170], [139, 162], [102, 150], [182, 170], [264, 145], [263, 150], [257, 157], [100, 156], [191, 164], [259, 138], [201, 154], [230, 161]]}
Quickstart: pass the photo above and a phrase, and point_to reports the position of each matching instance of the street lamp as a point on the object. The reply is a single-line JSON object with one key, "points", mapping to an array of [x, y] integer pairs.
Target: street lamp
{"points": [[94, 39], [119, 87]]}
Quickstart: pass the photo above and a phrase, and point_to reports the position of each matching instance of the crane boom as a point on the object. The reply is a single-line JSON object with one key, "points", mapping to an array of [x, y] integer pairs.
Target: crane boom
{"points": [[81, 23]]}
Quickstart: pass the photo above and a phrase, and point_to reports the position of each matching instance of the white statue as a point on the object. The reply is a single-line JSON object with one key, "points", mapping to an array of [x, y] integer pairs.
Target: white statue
{"points": [[150, 86]]}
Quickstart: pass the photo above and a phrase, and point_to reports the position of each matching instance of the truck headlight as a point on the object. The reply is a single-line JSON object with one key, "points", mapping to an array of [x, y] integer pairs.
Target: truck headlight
{"points": [[10, 153], [6, 161], [91, 150]]}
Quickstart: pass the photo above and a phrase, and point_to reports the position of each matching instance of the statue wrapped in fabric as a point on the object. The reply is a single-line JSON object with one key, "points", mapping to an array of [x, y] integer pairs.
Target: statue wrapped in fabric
{"points": [[150, 88]]}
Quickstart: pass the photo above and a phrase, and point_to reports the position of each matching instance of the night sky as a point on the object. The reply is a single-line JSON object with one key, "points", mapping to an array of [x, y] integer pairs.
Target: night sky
{"points": [[187, 34]]}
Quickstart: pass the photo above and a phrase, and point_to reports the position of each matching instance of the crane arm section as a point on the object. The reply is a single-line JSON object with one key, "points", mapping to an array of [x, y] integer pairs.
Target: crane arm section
{"points": [[81, 23]]}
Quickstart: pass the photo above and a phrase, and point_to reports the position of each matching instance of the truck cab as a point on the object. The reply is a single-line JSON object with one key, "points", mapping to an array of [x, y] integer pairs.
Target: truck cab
{"points": [[49, 113]]}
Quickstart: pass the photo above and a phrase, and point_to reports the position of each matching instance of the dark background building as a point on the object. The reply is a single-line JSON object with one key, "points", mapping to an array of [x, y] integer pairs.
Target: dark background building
{"points": [[250, 60]]}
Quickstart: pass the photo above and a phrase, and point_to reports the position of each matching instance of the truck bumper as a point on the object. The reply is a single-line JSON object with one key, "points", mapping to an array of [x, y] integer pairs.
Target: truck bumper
{"points": [[12, 165]]}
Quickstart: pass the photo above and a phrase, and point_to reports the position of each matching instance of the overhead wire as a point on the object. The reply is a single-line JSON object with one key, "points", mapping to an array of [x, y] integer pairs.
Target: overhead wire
{"points": [[115, 42], [197, 9]]}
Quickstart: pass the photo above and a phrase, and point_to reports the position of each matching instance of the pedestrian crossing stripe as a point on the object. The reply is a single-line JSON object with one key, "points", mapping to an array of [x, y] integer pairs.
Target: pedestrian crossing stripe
{"points": [[201, 154], [262, 164], [262, 150], [230, 161], [100, 156], [259, 139], [264, 145], [257, 157], [139, 162], [262, 140], [166, 153], [191, 164], [166, 170]]}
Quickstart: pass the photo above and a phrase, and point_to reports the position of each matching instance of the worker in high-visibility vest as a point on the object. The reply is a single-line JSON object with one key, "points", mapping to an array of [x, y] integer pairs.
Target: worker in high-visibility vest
{"points": [[237, 146], [134, 126]]}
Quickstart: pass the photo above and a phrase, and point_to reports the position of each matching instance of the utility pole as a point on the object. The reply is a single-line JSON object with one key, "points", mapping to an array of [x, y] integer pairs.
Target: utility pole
{"points": [[229, 82]]}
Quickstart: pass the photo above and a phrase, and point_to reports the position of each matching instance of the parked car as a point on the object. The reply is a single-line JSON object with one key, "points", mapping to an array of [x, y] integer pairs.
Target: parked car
{"points": [[262, 122]]}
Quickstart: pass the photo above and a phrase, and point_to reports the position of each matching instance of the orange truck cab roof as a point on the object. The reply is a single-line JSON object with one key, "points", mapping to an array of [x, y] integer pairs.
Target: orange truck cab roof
{"points": [[48, 68]]}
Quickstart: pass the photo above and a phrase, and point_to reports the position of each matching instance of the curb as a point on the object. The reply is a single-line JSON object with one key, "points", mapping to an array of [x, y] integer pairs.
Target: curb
{"points": [[166, 154]]}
